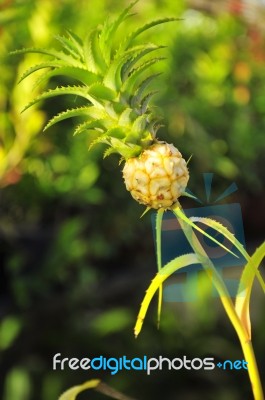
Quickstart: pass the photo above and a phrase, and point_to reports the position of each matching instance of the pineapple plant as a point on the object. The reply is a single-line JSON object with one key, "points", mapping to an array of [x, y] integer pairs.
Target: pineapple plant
{"points": [[114, 82]]}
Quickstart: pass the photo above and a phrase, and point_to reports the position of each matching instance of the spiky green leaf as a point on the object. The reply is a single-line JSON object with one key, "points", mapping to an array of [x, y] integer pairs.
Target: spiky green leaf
{"points": [[105, 47], [139, 125], [49, 64], [79, 74], [109, 151], [137, 55], [113, 76], [126, 117], [58, 55], [76, 39], [137, 98], [103, 138], [91, 112], [81, 91], [103, 124], [109, 29], [69, 46], [146, 100], [116, 132], [131, 82], [232, 239], [126, 150], [92, 53], [129, 39], [179, 213], [100, 91]]}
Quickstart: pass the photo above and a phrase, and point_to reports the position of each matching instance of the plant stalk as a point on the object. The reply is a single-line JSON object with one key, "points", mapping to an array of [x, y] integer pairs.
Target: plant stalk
{"points": [[159, 220], [229, 307]]}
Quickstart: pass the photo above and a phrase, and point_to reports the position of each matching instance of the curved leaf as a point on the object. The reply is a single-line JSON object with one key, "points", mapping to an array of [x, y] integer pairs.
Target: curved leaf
{"points": [[128, 40], [139, 125], [245, 287], [137, 98], [91, 112], [69, 46], [49, 64], [145, 102], [226, 233], [72, 393], [179, 213], [81, 91], [126, 117], [92, 53], [171, 267], [113, 77], [129, 84], [101, 91], [137, 55], [76, 39], [80, 74], [59, 55], [98, 123], [109, 30]]}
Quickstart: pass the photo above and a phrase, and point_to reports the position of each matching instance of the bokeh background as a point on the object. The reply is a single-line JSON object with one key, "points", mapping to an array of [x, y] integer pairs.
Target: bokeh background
{"points": [[76, 258]]}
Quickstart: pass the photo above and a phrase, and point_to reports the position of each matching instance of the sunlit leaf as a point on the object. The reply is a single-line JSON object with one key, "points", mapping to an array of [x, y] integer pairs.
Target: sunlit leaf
{"points": [[171, 267], [128, 40], [79, 74], [179, 213], [89, 112], [49, 64], [59, 55], [82, 91], [93, 56], [245, 287], [69, 46], [101, 91], [109, 30], [72, 393], [226, 233]]}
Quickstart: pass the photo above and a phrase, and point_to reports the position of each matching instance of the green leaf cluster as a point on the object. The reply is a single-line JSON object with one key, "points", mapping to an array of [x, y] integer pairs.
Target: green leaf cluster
{"points": [[113, 81]]}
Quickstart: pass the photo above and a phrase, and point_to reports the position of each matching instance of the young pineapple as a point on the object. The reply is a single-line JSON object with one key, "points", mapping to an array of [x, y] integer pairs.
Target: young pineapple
{"points": [[113, 82]]}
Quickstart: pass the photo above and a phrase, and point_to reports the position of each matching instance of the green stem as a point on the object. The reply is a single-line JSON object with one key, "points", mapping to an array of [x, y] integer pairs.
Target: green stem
{"points": [[227, 303], [159, 220]]}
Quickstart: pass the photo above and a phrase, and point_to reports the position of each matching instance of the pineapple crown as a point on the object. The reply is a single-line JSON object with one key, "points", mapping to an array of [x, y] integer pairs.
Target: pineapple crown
{"points": [[112, 79]]}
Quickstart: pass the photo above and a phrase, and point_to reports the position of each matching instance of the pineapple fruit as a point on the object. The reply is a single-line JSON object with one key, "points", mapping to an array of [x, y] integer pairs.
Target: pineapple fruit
{"points": [[157, 177], [113, 81]]}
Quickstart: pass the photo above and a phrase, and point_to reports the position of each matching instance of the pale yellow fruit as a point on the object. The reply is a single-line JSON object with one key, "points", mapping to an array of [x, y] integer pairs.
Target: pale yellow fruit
{"points": [[157, 177]]}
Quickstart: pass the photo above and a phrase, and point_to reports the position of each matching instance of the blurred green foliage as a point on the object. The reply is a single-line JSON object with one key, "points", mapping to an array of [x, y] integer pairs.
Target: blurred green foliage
{"points": [[214, 98], [75, 265]]}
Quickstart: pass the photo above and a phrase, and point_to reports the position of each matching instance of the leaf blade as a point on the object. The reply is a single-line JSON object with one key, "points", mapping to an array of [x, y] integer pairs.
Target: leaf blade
{"points": [[58, 55], [80, 74], [226, 233], [171, 267], [245, 287], [72, 393], [91, 112], [181, 215]]}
